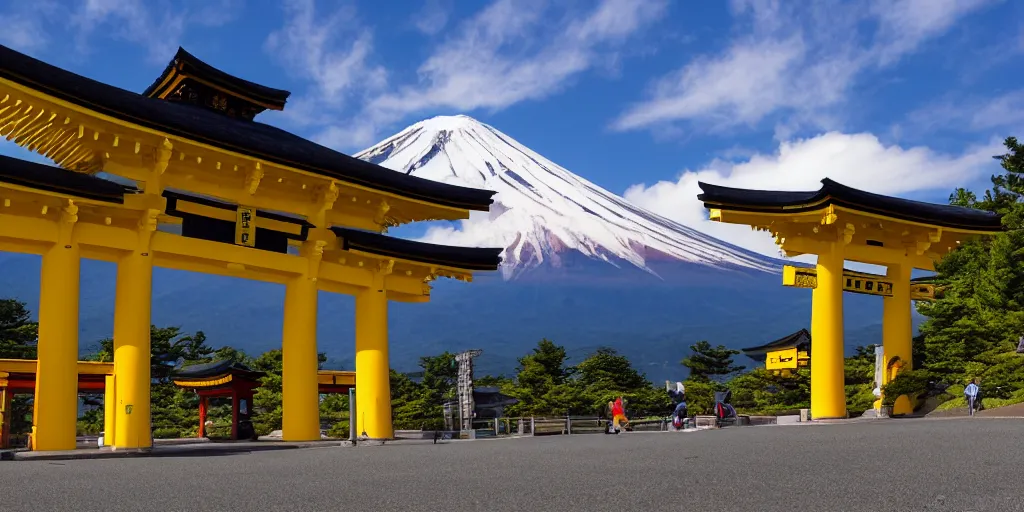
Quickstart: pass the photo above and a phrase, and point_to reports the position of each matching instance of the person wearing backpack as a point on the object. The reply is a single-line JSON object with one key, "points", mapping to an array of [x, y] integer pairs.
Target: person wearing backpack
{"points": [[679, 413]]}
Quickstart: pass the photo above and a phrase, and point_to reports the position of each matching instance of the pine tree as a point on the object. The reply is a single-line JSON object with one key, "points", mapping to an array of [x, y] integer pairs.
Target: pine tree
{"points": [[18, 333], [707, 363], [973, 328]]}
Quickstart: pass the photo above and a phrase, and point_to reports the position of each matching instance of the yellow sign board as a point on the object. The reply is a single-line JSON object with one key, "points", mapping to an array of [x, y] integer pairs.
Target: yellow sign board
{"points": [[785, 359], [245, 226], [854, 282]]}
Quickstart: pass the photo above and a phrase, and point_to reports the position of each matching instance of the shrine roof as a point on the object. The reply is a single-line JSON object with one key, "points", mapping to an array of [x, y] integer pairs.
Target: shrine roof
{"points": [[54, 179], [799, 339], [469, 258], [217, 369], [251, 138], [833, 193], [185, 65]]}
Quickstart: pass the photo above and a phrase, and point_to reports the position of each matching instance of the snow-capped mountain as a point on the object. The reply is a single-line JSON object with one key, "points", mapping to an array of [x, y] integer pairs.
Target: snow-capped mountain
{"points": [[542, 212]]}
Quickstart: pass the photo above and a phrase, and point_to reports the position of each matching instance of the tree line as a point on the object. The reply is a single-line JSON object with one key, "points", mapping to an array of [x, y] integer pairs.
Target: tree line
{"points": [[544, 383]]}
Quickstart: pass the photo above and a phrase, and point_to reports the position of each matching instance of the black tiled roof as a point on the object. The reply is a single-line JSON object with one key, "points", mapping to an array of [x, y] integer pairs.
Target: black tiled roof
{"points": [[215, 368], [470, 258], [61, 181], [251, 138], [797, 339], [191, 65], [949, 216]]}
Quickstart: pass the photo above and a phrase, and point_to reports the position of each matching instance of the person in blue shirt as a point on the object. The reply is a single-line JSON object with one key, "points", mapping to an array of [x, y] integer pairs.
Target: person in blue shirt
{"points": [[971, 394]]}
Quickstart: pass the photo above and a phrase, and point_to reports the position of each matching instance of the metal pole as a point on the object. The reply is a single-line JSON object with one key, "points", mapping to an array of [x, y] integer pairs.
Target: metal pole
{"points": [[352, 415]]}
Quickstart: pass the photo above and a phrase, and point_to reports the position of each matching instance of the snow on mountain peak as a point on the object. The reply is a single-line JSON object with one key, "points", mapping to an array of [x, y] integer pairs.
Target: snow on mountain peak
{"points": [[541, 210]]}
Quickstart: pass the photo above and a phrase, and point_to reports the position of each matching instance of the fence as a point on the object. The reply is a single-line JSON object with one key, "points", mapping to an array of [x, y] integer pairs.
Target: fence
{"points": [[572, 425], [568, 425]]}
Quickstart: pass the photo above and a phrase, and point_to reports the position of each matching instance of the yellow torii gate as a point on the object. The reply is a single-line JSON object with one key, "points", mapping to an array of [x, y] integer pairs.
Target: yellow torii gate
{"points": [[251, 200], [838, 223]]}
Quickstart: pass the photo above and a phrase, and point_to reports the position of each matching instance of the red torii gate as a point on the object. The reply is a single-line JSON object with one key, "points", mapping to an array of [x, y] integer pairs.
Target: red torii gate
{"points": [[227, 379], [18, 376]]}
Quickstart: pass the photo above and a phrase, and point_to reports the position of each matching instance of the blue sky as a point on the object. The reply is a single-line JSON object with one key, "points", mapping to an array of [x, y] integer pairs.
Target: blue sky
{"points": [[907, 97]]}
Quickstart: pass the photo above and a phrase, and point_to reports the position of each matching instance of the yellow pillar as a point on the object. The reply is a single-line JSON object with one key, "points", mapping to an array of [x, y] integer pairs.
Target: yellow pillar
{"points": [[132, 352], [828, 396], [897, 330], [109, 410], [5, 411], [300, 391], [373, 384], [55, 415]]}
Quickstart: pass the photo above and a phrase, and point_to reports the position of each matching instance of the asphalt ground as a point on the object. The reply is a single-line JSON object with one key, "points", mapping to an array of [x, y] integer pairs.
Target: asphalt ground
{"points": [[970, 464]]}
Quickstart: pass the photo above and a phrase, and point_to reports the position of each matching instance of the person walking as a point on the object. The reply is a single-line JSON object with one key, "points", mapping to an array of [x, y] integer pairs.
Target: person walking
{"points": [[971, 394], [619, 415]]}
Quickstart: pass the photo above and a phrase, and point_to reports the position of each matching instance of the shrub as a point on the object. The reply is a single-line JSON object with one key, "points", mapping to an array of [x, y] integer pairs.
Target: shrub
{"points": [[166, 433], [339, 430], [912, 383], [700, 396]]}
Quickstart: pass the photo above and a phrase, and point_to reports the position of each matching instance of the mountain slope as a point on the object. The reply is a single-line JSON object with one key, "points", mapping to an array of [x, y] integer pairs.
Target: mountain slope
{"points": [[543, 213]]}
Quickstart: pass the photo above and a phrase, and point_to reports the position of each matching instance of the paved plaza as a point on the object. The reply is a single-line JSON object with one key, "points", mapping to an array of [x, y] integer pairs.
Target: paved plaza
{"points": [[899, 465]]}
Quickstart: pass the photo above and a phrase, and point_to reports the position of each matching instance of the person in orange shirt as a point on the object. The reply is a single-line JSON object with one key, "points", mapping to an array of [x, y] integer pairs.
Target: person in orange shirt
{"points": [[618, 414]]}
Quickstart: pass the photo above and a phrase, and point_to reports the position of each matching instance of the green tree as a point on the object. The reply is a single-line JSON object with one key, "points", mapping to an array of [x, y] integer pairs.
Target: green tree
{"points": [[18, 333], [267, 400], [542, 382], [972, 329], [760, 391], [859, 371], [707, 363], [18, 337], [421, 405], [606, 375]]}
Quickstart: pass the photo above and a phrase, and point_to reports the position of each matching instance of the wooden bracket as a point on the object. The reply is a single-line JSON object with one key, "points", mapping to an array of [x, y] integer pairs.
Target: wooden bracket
{"points": [[848, 233], [324, 198], [380, 218], [830, 216], [253, 177], [315, 255]]}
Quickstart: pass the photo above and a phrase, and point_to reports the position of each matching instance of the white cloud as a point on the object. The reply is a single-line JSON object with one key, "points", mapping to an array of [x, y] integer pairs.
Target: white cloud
{"points": [[905, 24], [792, 59], [156, 25], [509, 52], [433, 17], [25, 25], [514, 51], [857, 160], [321, 47], [974, 114]]}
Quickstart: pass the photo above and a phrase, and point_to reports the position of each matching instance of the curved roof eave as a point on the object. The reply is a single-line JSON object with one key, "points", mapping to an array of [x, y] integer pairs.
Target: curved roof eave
{"points": [[250, 138], [184, 59], [61, 181], [791, 340], [468, 258], [837, 194]]}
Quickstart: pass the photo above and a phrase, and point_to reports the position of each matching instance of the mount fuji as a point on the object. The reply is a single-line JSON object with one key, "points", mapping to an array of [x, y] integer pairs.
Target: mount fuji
{"points": [[582, 267], [587, 268], [544, 216]]}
